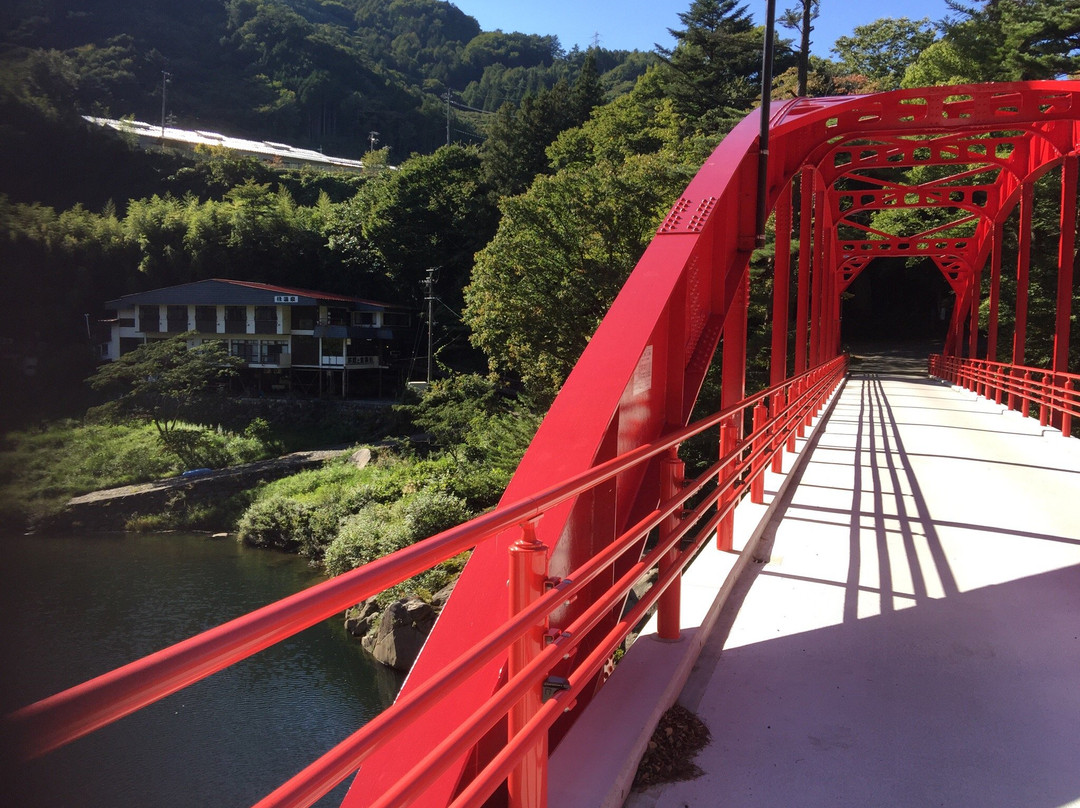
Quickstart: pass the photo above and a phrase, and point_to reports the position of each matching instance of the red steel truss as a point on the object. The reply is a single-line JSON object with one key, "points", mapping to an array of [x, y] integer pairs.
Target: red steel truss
{"points": [[521, 647]]}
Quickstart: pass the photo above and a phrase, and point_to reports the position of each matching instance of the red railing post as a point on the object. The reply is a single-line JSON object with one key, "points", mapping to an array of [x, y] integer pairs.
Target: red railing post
{"points": [[668, 607], [779, 404], [810, 407], [527, 783], [800, 422], [1025, 395], [757, 468], [1066, 407], [725, 531], [1046, 398], [792, 429]]}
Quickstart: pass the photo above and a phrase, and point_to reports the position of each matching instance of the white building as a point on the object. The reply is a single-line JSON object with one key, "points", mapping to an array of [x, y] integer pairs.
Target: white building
{"points": [[288, 338]]}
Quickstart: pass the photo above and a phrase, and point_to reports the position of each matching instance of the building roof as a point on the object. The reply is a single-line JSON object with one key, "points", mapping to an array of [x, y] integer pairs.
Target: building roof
{"points": [[199, 137], [225, 291]]}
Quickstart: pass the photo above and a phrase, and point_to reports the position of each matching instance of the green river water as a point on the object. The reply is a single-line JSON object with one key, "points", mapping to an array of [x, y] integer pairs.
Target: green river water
{"points": [[77, 606]]}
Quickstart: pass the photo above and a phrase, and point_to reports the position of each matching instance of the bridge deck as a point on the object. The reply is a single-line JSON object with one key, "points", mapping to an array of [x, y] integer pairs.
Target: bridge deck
{"points": [[914, 638]]}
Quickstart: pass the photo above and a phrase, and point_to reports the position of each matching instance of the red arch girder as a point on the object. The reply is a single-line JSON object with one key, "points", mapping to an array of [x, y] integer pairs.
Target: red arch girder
{"points": [[1014, 159], [903, 152], [641, 372], [848, 202], [925, 246]]}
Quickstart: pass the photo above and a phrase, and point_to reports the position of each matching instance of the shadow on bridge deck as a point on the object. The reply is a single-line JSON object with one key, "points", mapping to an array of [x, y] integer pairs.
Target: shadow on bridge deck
{"points": [[914, 638]]}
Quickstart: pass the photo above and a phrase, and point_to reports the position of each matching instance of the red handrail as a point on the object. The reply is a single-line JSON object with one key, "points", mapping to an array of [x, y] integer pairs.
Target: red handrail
{"points": [[1055, 394], [62, 718]]}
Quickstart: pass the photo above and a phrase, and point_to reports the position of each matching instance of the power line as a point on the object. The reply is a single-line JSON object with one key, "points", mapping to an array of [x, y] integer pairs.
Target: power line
{"points": [[452, 104], [466, 107]]}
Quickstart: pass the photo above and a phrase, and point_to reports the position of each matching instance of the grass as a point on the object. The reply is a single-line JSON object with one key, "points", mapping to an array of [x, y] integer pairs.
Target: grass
{"points": [[41, 469]]}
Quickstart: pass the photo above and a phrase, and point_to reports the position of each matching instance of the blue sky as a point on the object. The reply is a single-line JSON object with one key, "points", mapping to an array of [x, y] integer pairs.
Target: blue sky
{"points": [[629, 24]]}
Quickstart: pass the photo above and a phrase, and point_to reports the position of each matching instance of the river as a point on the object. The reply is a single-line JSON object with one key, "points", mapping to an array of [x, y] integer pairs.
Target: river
{"points": [[77, 606]]}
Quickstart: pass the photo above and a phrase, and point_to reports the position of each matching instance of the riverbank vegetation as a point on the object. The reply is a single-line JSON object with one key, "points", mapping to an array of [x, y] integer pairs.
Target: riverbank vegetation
{"points": [[347, 513], [41, 469]]}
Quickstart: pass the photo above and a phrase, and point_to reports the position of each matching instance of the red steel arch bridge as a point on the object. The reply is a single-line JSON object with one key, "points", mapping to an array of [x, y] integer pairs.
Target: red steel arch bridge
{"points": [[602, 501]]}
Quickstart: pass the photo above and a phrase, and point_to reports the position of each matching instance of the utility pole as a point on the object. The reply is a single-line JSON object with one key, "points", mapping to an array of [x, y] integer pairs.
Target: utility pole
{"points": [[373, 138], [430, 283], [763, 137], [165, 76], [447, 116]]}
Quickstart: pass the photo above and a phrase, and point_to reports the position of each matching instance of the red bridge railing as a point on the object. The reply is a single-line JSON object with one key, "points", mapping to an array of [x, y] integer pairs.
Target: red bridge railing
{"points": [[533, 697], [1054, 395]]}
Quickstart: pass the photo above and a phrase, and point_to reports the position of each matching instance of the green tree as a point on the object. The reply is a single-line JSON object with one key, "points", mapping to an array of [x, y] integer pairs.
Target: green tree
{"points": [[159, 379], [800, 19], [942, 63], [433, 211], [564, 248], [713, 72], [1017, 40], [824, 78], [882, 50], [515, 149], [474, 418]]}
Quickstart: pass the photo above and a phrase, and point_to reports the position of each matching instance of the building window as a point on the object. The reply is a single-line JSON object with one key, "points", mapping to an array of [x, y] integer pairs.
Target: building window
{"points": [[206, 319], [363, 318], [236, 319], [244, 349], [176, 318], [265, 320], [149, 319], [304, 317], [270, 351]]}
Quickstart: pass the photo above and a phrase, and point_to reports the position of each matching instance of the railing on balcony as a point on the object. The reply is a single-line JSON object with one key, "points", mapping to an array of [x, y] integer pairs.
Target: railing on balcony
{"points": [[689, 515], [1054, 395]]}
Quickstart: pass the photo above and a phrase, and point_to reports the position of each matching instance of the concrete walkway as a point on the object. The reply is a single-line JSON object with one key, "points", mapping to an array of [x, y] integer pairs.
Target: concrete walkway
{"points": [[914, 639]]}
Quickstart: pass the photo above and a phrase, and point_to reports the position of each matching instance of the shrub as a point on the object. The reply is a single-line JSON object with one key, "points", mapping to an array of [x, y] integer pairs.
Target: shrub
{"points": [[372, 533], [431, 511], [277, 522]]}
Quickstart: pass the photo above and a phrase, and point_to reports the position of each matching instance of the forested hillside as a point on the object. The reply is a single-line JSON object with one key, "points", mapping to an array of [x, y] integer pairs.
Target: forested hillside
{"points": [[318, 73]]}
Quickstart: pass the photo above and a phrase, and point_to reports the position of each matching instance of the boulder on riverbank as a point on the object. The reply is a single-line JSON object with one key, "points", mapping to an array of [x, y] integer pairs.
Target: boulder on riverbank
{"points": [[395, 635], [403, 629]]}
